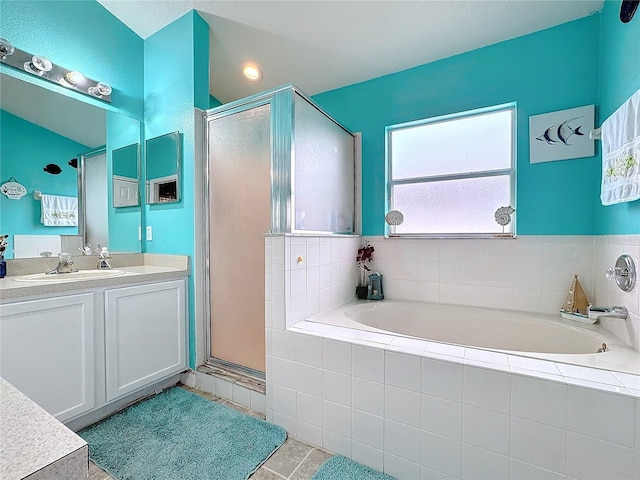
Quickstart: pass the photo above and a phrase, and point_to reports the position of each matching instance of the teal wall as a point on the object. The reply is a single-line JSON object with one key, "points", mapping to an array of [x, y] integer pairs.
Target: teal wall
{"points": [[80, 35], [619, 79], [16, 160], [176, 61], [214, 102], [551, 70]]}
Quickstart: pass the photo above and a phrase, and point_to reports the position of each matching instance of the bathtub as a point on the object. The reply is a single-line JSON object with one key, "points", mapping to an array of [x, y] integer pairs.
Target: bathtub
{"points": [[465, 331], [477, 327]]}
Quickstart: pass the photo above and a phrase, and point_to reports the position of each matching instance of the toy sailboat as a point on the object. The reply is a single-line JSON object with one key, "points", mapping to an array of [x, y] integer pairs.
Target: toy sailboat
{"points": [[576, 305]]}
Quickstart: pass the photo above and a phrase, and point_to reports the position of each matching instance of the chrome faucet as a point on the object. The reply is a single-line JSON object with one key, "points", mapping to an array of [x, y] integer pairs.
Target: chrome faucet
{"points": [[621, 313], [65, 265]]}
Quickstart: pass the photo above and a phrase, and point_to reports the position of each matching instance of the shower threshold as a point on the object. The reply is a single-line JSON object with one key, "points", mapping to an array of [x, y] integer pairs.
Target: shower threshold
{"points": [[242, 376]]}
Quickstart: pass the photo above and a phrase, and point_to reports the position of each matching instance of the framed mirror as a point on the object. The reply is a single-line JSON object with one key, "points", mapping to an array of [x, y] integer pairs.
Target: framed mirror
{"points": [[163, 158], [48, 139], [124, 178]]}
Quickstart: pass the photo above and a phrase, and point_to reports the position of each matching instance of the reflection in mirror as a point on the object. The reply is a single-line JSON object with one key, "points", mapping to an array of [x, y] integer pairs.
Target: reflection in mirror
{"points": [[163, 156], [39, 127], [125, 176]]}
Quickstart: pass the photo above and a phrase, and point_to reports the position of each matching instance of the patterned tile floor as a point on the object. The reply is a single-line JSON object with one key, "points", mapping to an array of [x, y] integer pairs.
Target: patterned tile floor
{"points": [[292, 461]]}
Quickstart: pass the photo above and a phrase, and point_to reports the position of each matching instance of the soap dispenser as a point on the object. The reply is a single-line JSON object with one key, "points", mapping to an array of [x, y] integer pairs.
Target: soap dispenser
{"points": [[375, 287]]}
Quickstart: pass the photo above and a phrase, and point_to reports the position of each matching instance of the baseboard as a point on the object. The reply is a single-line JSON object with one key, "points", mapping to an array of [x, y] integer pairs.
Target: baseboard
{"points": [[188, 378]]}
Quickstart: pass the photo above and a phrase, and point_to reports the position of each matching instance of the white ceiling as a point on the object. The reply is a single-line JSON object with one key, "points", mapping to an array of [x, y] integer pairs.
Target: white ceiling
{"points": [[322, 45], [66, 116]]}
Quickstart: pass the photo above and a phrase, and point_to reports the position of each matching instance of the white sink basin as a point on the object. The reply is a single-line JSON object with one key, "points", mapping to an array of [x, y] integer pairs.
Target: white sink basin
{"points": [[70, 277]]}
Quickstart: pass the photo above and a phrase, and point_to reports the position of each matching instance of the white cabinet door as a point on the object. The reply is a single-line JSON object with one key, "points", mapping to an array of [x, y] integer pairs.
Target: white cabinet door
{"points": [[47, 352], [144, 335]]}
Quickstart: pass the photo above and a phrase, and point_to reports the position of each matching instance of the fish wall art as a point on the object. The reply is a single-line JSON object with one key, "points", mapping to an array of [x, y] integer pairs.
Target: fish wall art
{"points": [[561, 135]]}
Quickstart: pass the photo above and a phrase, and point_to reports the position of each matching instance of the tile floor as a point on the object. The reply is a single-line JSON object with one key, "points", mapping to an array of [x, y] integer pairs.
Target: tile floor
{"points": [[293, 461]]}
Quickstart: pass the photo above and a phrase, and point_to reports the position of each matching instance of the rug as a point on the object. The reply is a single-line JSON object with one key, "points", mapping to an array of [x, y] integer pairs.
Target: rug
{"points": [[341, 468], [180, 435]]}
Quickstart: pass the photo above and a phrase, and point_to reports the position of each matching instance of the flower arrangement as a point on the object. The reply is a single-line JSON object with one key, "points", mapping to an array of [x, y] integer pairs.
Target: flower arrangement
{"points": [[365, 254]]}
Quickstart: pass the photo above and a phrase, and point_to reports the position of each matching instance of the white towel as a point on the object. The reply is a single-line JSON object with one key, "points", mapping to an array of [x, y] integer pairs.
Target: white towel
{"points": [[59, 211], [621, 154]]}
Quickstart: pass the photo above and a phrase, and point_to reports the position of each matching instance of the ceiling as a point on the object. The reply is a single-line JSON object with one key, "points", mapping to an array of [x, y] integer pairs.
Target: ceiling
{"points": [[77, 120], [323, 45]]}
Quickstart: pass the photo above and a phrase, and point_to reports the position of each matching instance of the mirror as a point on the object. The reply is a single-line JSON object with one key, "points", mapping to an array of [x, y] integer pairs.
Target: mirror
{"points": [[163, 156], [125, 163], [40, 127]]}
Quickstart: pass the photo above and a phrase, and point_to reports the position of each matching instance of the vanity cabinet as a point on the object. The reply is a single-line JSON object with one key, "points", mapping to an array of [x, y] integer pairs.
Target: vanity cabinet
{"points": [[87, 353], [47, 352], [144, 335]]}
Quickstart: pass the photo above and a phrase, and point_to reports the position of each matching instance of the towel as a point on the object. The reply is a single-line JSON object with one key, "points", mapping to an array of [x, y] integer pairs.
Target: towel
{"points": [[621, 154], [59, 211]]}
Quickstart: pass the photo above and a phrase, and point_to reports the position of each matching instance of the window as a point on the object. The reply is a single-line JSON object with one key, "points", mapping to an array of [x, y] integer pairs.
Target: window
{"points": [[448, 175]]}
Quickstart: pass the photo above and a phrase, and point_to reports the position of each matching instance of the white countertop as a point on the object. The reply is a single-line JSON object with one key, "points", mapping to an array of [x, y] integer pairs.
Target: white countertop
{"points": [[34, 441], [156, 268]]}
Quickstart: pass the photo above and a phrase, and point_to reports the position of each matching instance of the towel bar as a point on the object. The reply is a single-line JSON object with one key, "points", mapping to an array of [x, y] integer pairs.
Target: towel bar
{"points": [[37, 195]]}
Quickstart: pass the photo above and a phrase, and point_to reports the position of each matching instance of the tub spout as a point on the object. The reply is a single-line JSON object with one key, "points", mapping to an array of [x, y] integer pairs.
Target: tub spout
{"points": [[608, 312]]}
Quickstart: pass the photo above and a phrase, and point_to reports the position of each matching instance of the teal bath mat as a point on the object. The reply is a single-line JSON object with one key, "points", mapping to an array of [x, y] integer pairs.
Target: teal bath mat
{"points": [[180, 435], [341, 468]]}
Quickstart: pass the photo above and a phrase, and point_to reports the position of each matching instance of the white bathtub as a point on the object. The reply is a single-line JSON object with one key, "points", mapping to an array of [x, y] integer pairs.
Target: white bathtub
{"points": [[547, 337], [477, 327]]}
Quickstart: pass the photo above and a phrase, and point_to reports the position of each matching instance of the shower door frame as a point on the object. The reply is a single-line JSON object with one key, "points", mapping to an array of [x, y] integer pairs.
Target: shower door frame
{"points": [[282, 113]]}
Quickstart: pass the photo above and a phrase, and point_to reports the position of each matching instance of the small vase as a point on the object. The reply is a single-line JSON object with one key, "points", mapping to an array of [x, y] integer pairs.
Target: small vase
{"points": [[361, 292]]}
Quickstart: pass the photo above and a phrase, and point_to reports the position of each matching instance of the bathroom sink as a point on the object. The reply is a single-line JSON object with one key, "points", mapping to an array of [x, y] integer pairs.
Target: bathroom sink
{"points": [[70, 277]]}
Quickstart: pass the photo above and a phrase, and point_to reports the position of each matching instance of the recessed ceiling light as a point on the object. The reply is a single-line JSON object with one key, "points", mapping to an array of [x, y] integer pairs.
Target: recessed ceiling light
{"points": [[252, 71]]}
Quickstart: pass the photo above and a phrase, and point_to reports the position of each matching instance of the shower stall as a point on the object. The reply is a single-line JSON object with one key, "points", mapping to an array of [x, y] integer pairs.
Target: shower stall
{"points": [[276, 164]]}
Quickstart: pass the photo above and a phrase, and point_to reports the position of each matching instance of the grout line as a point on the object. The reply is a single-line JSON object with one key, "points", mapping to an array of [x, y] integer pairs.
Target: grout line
{"points": [[301, 462], [271, 471]]}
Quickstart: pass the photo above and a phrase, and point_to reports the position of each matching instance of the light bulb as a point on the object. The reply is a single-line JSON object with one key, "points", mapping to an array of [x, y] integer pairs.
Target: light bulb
{"points": [[38, 65], [252, 72], [100, 90], [74, 78], [6, 48]]}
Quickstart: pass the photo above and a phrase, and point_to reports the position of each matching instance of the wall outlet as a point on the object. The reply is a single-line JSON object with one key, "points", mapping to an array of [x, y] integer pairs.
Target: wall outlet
{"points": [[149, 233], [139, 233]]}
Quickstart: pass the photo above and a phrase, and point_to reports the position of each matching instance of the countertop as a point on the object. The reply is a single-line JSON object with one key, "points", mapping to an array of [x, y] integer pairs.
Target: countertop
{"points": [[152, 267], [34, 444]]}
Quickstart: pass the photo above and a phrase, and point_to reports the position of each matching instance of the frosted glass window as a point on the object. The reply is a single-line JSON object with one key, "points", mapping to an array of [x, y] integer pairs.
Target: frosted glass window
{"points": [[449, 175], [323, 191], [453, 206]]}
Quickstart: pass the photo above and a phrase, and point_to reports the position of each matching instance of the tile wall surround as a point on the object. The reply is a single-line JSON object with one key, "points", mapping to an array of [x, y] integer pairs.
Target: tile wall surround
{"points": [[417, 412]]}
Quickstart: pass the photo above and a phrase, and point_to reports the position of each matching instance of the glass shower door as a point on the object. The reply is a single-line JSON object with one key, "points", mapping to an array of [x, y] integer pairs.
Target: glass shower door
{"points": [[239, 215]]}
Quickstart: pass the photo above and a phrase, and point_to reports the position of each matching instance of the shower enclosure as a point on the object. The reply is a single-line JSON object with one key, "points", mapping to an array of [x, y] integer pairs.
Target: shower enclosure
{"points": [[276, 163]]}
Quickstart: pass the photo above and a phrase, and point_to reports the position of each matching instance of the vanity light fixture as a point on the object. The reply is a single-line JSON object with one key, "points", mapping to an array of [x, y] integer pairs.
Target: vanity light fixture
{"points": [[252, 71], [42, 67], [6, 48]]}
